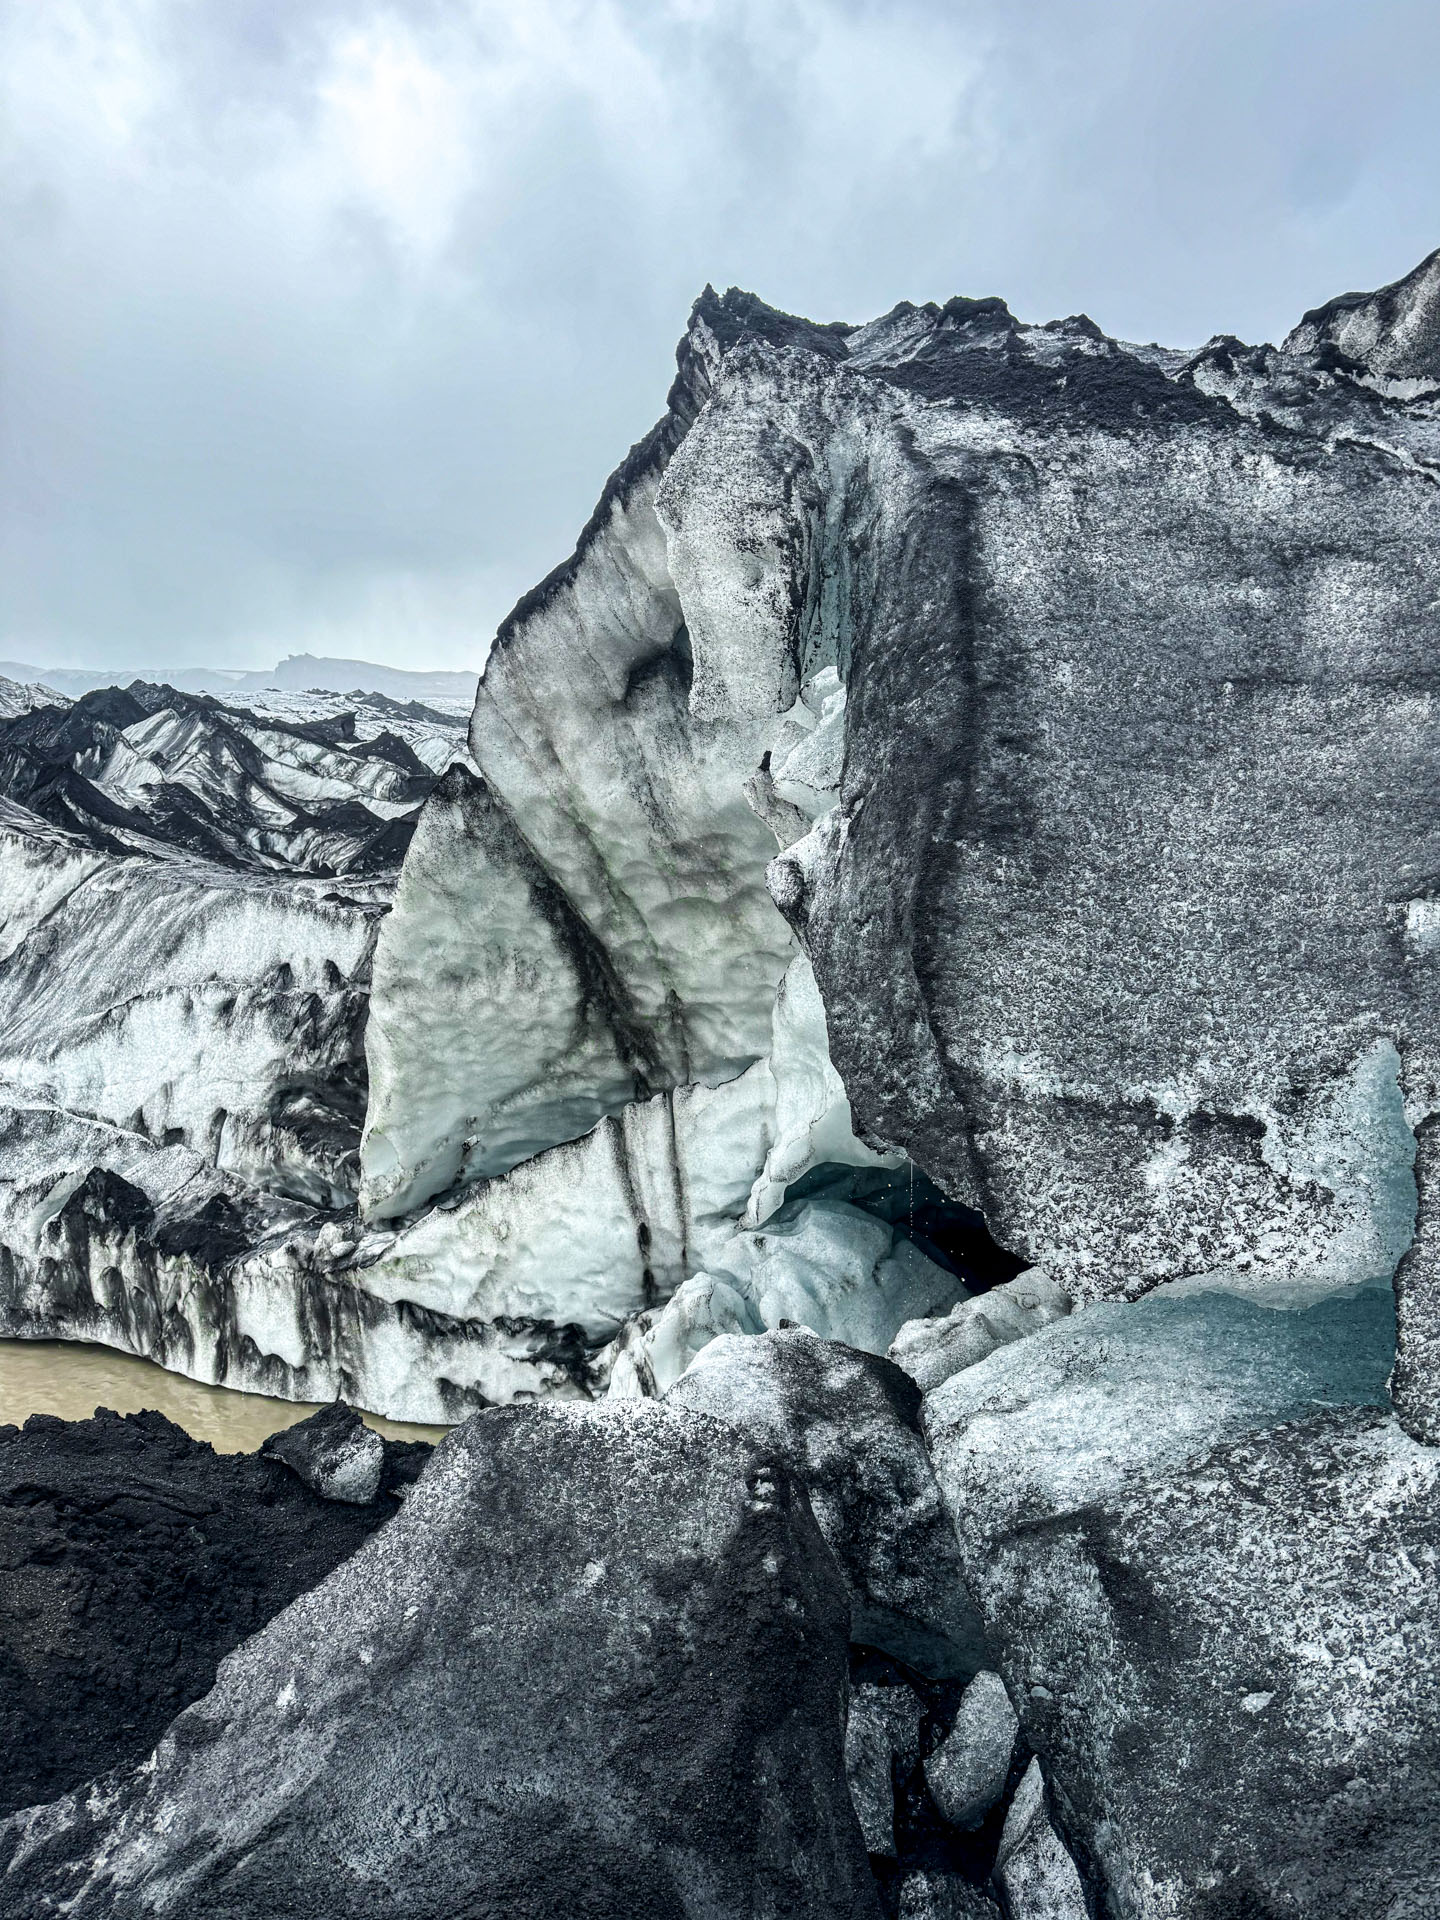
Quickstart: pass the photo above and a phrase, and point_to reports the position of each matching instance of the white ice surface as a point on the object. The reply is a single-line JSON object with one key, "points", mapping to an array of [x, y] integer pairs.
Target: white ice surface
{"points": [[817, 1263]]}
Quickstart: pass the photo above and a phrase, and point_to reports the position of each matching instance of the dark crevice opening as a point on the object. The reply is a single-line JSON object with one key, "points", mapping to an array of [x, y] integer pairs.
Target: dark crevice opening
{"points": [[953, 1236], [675, 662], [924, 1841]]}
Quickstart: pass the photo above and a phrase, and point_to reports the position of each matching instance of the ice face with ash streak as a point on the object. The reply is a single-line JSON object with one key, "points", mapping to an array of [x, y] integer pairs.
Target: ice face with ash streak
{"points": [[188, 1004], [182, 1075]]}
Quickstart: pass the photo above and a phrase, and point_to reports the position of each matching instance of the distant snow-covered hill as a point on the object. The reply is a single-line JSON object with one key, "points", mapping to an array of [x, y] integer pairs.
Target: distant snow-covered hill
{"points": [[297, 673]]}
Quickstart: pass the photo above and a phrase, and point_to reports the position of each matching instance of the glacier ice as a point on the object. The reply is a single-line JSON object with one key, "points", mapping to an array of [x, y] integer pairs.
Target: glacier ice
{"points": [[188, 1004], [326, 788], [967, 1772], [821, 1264], [846, 1424], [905, 770], [1036, 1876], [930, 1350], [793, 625], [1067, 1415]]}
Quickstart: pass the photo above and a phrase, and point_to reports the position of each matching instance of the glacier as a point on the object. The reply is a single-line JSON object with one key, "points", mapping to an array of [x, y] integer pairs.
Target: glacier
{"points": [[886, 1082], [958, 749]]}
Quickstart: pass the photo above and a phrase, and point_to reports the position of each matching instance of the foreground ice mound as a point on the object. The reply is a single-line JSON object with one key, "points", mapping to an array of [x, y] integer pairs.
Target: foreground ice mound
{"points": [[847, 1425], [597, 1661], [1207, 1557]]}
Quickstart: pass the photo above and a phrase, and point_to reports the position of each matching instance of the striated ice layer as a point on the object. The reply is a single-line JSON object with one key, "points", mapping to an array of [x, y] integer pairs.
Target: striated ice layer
{"points": [[187, 1004], [109, 1238]]}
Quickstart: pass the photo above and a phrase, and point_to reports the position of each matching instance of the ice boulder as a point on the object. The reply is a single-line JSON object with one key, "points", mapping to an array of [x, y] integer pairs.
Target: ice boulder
{"points": [[595, 1663], [967, 1772], [882, 1734], [931, 1350], [847, 1425], [334, 1453], [1035, 1874], [1207, 1559]]}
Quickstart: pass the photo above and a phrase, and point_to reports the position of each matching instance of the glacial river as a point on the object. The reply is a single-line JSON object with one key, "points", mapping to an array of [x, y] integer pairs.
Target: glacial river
{"points": [[72, 1380]]}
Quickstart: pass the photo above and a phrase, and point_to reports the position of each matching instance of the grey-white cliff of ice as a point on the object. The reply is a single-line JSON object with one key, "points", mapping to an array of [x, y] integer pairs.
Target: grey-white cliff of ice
{"points": [[955, 745]]}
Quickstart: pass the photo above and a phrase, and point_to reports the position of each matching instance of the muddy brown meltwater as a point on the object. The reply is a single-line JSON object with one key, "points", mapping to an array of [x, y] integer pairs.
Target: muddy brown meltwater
{"points": [[72, 1379]]}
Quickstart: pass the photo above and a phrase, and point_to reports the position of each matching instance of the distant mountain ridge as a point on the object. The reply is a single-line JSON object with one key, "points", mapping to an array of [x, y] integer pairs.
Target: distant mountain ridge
{"points": [[298, 672], [315, 784]]}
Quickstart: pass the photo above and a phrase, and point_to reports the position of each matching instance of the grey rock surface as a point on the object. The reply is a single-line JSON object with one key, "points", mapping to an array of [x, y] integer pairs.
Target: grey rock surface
{"points": [[596, 1663], [1211, 1585], [931, 1350], [925, 1895], [882, 1733], [1036, 1876], [334, 1453], [967, 1773], [847, 1424]]}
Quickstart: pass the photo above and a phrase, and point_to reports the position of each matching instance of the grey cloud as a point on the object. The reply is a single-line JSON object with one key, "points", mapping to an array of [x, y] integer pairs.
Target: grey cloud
{"points": [[323, 323]]}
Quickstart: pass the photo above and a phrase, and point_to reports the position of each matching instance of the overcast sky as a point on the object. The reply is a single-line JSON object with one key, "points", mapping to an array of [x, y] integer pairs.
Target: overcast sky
{"points": [[324, 320]]}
